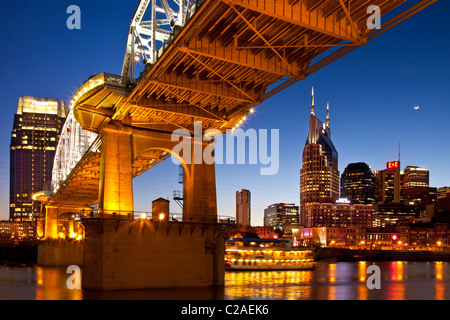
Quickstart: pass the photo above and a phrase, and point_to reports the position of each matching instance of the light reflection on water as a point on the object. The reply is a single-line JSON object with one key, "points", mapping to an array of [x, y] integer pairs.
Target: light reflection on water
{"points": [[336, 281]]}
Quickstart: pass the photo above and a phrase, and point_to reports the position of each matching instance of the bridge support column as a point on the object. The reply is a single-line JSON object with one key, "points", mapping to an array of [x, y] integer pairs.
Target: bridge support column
{"points": [[116, 186], [51, 222], [200, 198], [60, 245]]}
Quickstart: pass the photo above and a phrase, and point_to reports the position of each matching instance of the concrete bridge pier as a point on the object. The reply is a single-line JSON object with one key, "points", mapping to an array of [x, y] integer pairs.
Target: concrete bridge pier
{"points": [[142, 254], [62, 243]]}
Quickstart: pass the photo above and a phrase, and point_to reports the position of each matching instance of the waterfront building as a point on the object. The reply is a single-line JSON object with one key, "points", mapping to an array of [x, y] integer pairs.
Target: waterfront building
{"points": [[279, 214], [319, 175], [257, 231], [385, 214], [34, 138], [443, 200], [243, 207], [357, 183], [423, 198], [17, 230], [410, 236], [338, 214], [331, 237]]}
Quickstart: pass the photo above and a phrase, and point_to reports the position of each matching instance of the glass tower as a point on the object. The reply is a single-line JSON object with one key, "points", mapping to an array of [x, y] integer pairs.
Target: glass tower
{"points": [[357, 183], [34, 138]]}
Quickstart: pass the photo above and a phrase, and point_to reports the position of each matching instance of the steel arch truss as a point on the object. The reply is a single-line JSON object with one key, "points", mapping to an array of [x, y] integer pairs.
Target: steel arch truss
{"points": [[147, 38], [73, 144]]}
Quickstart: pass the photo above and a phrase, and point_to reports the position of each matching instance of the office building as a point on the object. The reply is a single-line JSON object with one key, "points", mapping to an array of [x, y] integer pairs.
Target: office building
{"points": [[413, 177], [279, 214], [423, 198], [34, 138], [319, 175], [387, 183], [243, 208], [357, 183]]}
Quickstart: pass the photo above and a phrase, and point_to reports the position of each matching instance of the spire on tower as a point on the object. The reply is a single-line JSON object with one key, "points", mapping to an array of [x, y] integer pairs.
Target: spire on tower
{"points": [[328, 115], [312, 103]]}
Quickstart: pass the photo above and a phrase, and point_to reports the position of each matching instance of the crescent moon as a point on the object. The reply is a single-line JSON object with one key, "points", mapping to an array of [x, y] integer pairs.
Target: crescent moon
{"points": [[416, 107]]}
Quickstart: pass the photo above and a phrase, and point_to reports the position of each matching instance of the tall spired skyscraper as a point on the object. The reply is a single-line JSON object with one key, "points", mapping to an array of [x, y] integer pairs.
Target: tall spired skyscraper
{"points": [[319, 175]]}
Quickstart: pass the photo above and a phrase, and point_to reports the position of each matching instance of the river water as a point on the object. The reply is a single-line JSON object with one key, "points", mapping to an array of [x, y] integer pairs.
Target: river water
{"points": [[334, 281]]}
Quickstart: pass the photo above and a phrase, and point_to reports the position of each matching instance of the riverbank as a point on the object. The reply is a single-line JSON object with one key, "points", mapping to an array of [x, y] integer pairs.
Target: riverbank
{"points": [[349, 255], [18, 253]]}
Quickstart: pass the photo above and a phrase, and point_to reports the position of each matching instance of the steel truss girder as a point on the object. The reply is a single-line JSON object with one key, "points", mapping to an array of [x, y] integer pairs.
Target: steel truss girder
{"points": [[146, 38], [74, 142], [182, 109], [298, 13]]}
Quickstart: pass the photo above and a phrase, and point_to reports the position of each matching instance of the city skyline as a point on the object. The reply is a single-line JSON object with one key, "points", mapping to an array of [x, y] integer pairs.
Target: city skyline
{"points": [[371, 107]]}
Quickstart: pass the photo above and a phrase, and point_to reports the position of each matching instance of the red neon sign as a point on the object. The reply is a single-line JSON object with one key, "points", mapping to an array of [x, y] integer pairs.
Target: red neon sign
{"points": [[393, 165]]}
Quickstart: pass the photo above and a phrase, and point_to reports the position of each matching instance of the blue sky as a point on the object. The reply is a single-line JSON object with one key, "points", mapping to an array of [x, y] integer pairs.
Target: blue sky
{"points": [[371, 92]]}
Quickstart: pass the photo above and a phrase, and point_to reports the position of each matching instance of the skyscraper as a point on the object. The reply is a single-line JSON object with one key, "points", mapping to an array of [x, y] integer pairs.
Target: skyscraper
{"points": [[319, 175], [416, 190], [34, 138], [243, 207], [387, 183], [357, 183], [413, 177]]}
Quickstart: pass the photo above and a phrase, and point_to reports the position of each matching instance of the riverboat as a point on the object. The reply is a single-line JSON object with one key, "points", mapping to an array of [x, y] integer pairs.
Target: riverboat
{"points": [[266, 254]]}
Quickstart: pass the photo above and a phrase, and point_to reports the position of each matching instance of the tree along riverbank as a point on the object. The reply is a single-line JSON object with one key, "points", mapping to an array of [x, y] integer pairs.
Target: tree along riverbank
{"points": [[13, 252]]}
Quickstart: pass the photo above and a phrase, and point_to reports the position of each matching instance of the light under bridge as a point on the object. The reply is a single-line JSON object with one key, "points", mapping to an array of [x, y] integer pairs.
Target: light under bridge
{"points": [[208, 61]]}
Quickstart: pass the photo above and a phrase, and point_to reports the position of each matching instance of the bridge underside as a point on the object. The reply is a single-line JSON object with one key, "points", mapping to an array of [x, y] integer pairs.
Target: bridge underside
{"points": [[224, 61]]}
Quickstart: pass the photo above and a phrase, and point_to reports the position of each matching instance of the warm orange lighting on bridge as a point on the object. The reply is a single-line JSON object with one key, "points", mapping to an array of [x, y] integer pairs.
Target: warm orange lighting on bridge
{"points": [[162, 216]]}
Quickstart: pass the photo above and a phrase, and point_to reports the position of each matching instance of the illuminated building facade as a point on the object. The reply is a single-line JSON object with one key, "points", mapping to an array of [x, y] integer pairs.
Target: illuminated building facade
{"points": [[413, 177], [279, 214], [385, 214], [19, 230], [243, 207], [388, 183], [339, 215], [357, 183], [319, 175], [34, 138]]}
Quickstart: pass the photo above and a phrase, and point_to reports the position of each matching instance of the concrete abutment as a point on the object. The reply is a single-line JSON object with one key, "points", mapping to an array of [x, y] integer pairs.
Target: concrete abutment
{"points": [[141, 254]]}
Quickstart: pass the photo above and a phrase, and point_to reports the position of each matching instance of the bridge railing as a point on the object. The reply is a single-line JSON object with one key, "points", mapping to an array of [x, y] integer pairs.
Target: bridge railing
{"points": [[142, 215]]}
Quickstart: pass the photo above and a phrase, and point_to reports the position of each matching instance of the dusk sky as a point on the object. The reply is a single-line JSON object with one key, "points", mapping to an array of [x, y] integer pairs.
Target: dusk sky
{"points": [[372, 93]]}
